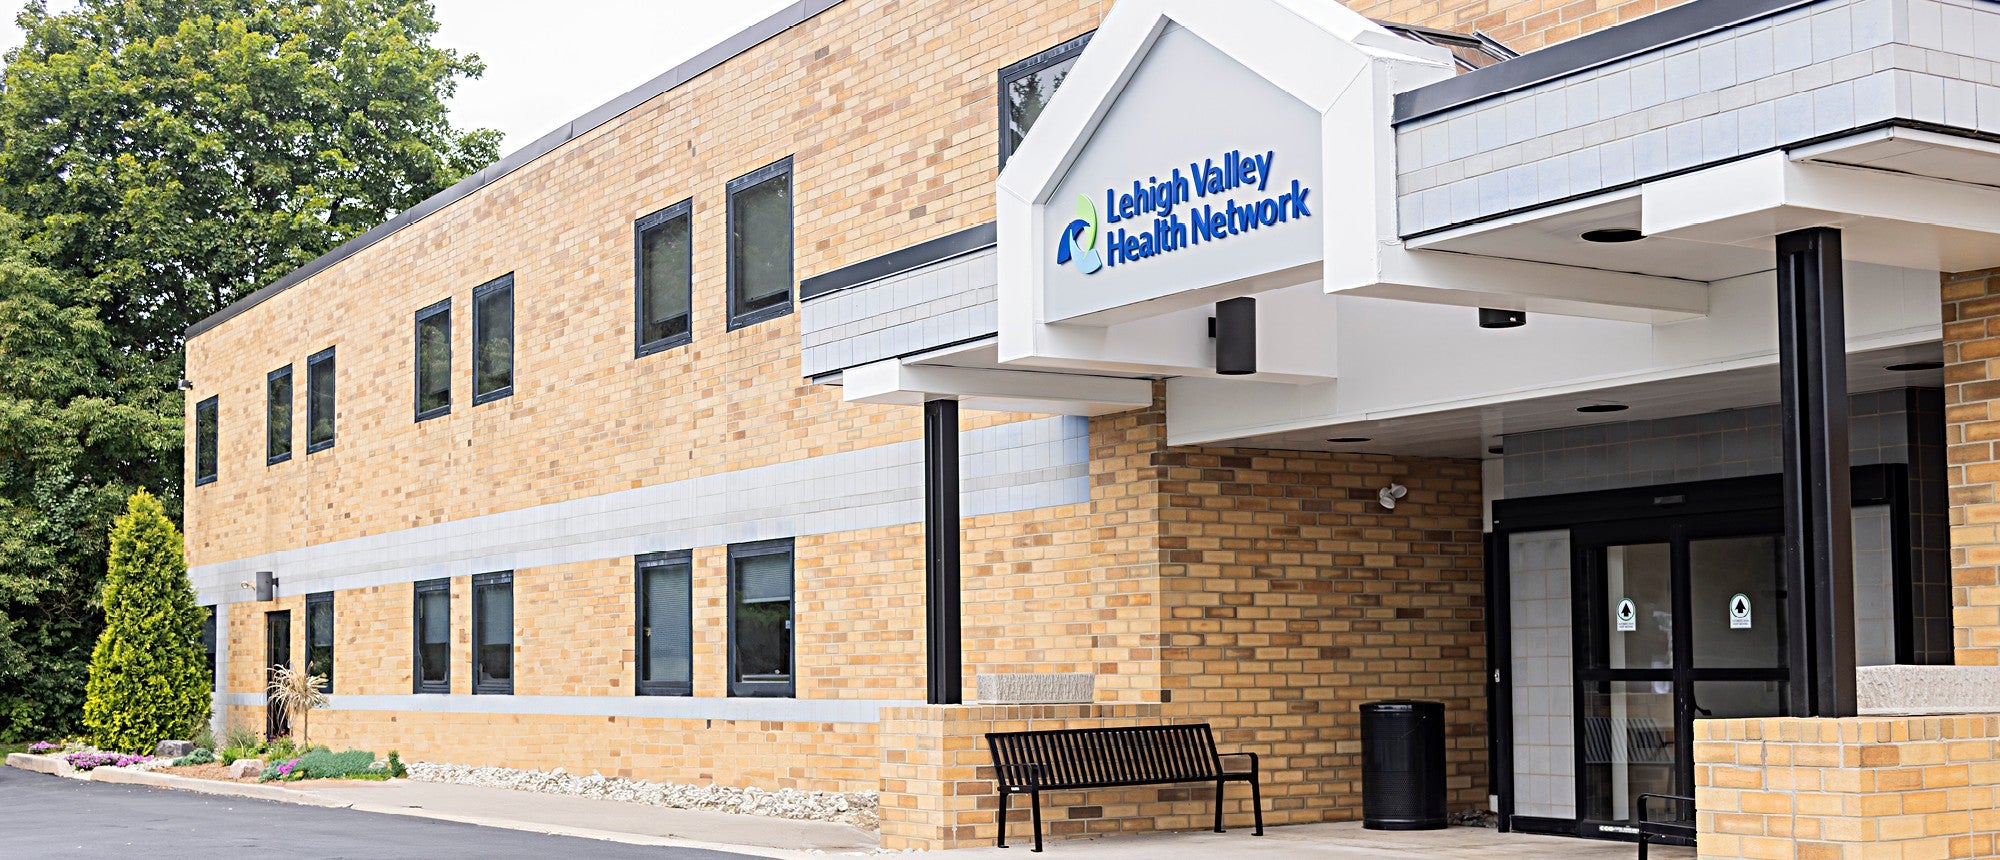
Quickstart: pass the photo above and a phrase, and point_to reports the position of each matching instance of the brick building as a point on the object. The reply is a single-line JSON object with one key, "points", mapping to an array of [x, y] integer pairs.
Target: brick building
{"points": [[742, 428]]}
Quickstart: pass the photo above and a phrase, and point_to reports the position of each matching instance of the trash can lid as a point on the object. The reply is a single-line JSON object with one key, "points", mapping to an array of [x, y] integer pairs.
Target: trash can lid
{"points": [[1399, 706]]}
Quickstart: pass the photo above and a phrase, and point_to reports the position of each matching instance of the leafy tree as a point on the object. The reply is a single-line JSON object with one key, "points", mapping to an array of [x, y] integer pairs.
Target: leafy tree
{"points": [[165, 158], [178, 154], [148, 674], [77, 435]]}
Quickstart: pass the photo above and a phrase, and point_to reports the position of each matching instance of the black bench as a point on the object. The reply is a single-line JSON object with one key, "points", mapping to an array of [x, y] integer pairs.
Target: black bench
{"points": [[1066, 759]]}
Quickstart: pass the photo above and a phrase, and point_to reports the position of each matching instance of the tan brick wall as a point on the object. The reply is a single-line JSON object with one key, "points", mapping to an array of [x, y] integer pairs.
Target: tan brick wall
{"points": [[1972, 425], [938, 780], [1858, 788], [893, 140], [1525, 25]]}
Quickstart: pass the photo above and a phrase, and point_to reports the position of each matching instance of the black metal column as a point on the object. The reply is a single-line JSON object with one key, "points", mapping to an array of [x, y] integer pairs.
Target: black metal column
{"points": [[944, 677], [1819, 549]]}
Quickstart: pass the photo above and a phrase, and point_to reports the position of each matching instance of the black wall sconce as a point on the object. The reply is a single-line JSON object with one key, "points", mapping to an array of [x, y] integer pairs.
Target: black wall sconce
{"points": [[1497, 318], [1236, 336]]}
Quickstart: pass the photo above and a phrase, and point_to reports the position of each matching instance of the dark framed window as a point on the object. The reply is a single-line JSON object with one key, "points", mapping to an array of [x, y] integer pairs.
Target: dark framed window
{"points": [[760, 244], [433, 636], [319, 401], [434, 360], [666, 624], [206, 428], [493, 340], [208, 647], [278, 416], [1027, 86], [319, 637], [760, 618], [663, 284], [493, 633]]}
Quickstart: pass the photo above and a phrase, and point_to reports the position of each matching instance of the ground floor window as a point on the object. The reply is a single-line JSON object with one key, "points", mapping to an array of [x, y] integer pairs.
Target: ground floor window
{"points": [[319, 638], [760, 619], [208, 646], [433, 639], [493, 633], [666, 624]]}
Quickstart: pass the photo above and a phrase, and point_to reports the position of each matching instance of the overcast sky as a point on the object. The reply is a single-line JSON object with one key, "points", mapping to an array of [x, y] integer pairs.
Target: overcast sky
{"points": [[548, 61]]}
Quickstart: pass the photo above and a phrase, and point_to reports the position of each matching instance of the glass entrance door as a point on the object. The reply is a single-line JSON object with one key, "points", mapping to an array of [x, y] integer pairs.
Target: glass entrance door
{"points": [[1679, 620]]}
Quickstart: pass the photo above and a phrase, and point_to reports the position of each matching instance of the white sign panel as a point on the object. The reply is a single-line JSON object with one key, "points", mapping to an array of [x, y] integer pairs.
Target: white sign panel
{"points": [[1201, 174], [1627, 616], [1739, 612]]}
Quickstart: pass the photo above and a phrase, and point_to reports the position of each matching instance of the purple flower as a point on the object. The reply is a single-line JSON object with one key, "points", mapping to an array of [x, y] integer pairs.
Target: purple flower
{"points": [[40, 747]]}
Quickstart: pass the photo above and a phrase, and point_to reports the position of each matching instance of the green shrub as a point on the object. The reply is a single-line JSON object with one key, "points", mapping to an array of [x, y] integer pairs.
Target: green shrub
{"points": [[353, 764], [201, 755], [396, 768], [148, 673]]}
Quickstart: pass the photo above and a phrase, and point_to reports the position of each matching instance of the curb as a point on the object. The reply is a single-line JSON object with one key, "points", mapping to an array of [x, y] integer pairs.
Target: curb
{"points": [[49, 764], [122, 776]]}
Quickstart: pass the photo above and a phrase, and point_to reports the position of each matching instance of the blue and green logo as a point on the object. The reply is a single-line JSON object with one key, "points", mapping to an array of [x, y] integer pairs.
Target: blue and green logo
{"points": [[1079, 240]]}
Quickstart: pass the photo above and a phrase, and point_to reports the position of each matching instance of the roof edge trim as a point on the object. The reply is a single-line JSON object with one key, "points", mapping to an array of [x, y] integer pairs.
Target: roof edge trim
{"points": [[1609, 45]]}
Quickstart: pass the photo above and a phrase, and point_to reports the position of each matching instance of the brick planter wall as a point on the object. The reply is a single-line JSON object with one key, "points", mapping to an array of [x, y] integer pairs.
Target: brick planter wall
{"points": [[1848, 789]]}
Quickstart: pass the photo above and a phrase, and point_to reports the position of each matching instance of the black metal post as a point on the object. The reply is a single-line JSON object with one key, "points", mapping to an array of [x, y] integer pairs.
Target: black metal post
{"points": [[944, 676], [1819, 549]]}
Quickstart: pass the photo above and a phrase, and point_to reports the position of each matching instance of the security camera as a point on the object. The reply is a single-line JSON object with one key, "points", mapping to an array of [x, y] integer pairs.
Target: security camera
{"points": [[184, 385]]}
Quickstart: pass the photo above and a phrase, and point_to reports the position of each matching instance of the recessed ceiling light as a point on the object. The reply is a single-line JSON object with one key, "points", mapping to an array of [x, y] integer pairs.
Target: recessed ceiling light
{"points": [[1350, 439], [1913, 366], [1613, 235], [1603, 407], [1496, 449]]}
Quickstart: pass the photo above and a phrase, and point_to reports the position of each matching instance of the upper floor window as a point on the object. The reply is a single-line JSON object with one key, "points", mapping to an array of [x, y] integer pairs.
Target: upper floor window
{"points": [[319, 637], [493, 340], [319, 401], [666, 624], [205, 430], [760, 619], [434, 360], [493, 633], [1025, 89], [760, 244], [278, 415], [665, 277]]}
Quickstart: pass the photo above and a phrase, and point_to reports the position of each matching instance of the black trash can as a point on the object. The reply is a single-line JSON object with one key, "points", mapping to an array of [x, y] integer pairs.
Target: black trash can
{"points": [[1402, 766]]}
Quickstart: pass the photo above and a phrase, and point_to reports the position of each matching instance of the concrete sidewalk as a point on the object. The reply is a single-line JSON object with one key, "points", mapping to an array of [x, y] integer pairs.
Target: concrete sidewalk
{"points": [[600, 819], [1341, 841], [638, 824]]}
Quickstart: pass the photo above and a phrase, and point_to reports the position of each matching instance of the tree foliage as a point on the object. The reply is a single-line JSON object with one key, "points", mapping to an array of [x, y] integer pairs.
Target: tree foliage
{"points": [[165, 158], [178, 154], [149, 679], [76, 437]]}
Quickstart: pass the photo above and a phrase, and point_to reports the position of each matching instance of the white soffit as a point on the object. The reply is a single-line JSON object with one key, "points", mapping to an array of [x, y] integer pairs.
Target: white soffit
{"points": [[1469, 430], [1555, 235], [1900, 219]]}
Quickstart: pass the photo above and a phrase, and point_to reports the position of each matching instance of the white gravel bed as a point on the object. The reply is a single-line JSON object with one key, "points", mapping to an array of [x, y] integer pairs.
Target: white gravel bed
{"points": [[853, 808]]}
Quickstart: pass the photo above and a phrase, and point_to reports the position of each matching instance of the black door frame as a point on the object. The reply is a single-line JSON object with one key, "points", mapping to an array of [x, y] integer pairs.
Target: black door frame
{"points": [[1871, 485], [277, 723], [1587, 545]]}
